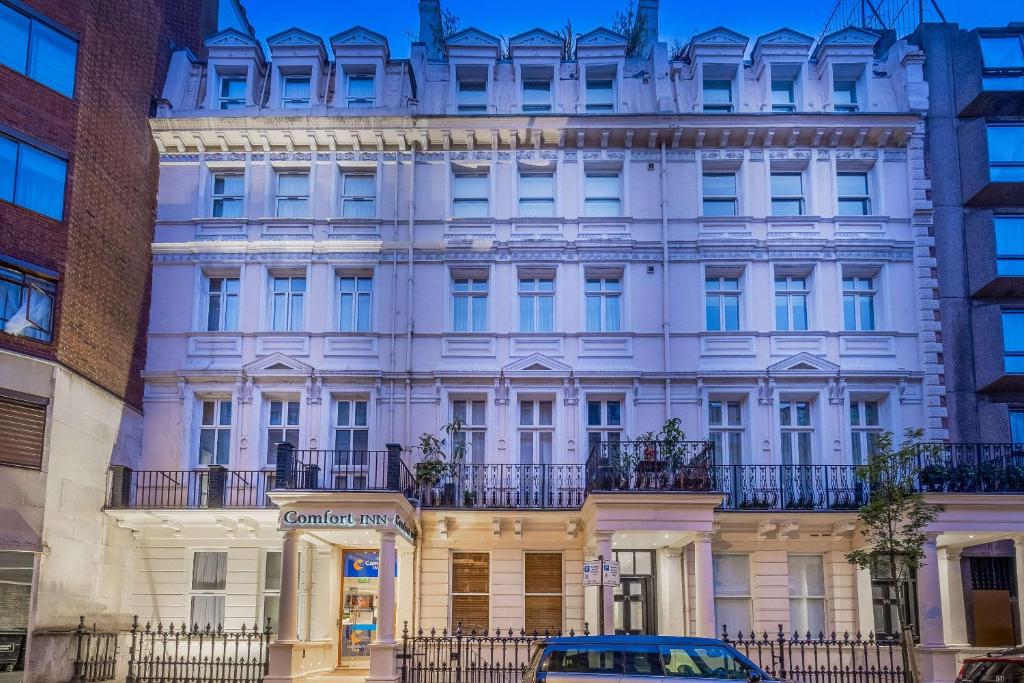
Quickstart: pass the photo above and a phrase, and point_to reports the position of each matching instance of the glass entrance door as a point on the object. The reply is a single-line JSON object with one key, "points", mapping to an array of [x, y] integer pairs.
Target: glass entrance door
{"points": [[358, 605]]}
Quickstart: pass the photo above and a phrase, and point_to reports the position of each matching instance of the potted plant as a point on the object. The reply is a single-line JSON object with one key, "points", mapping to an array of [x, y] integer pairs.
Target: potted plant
{"points": [[468, 498], [436, 465]]}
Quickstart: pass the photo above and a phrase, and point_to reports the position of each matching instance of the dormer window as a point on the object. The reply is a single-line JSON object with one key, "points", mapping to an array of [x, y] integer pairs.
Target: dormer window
{"points": [[784, 78], [717, 87], [472, 85], [1002, 62], [295, 92], [845, 86], [232, 92], [360, 90], [601, 89], [537, 90]]}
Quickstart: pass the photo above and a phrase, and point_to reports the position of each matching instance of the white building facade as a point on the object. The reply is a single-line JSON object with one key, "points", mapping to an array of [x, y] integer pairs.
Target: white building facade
{"points": [[561, 255]]}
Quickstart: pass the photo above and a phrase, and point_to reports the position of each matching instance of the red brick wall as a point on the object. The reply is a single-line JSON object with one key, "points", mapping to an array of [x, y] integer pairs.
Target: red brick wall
{"points": [[102, 248]]}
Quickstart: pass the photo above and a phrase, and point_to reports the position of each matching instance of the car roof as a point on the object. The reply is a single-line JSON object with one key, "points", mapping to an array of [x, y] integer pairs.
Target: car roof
{"points": [[631, 640]]}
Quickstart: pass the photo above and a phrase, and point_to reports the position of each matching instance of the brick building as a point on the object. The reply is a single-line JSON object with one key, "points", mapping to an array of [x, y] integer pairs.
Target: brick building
{"points": [[78, 174]]}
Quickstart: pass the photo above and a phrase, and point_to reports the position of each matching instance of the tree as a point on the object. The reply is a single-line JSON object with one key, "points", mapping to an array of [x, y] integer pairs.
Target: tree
{"points": [[630, 23], [893, 522]]}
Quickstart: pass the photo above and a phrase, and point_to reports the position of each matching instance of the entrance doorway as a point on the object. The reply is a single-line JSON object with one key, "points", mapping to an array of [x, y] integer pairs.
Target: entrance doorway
{"points": [[634, 608], [359, 608]]}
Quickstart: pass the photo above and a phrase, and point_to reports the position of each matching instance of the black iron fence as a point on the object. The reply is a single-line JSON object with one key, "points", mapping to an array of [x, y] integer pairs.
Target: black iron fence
{"points": [[173, 654], [651, 466], [96, 654], [345, 470], [213, 486], [825, 659], [790, 487], [468, 656], [556, 487], [971, 468]]}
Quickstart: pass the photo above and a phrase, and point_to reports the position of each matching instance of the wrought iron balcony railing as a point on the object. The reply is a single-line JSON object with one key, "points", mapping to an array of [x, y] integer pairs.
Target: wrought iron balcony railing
{"points": [[635, 467]]}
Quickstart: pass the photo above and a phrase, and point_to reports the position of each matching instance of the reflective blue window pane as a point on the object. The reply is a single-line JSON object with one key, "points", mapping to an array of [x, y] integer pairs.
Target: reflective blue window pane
{"points": [[1009, 245], [1013, 332], [14, 29], [1002, 52], [8, 160], [51, 60], [39, 185]]}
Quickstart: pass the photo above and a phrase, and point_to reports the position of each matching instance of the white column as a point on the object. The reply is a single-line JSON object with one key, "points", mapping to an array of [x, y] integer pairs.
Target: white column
{"points": [[604, 549], [288, 616], [406, 579], [865, 606], [955, 622], [704, 586], [1018, 552], [382, 649], [386, 588], [929, 596]]}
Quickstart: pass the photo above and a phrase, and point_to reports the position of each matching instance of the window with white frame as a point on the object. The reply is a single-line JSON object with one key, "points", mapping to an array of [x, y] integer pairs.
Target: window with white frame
{"points": [[865, 428], [282, 426], [469, 303], [360, 90], [604, 424], [536, 431], [602, 193], [859, 301], [536, 303], [1009, 232], [722, 302], [600, 88], [787, 193], [536, 194], [1013, 342], [271, 587], [292, 195], [351, 443], [472, 89], [228, 195], [358, 194], [719, 194], [215, 431], [791, 292], [295, 91], [543, 590], [470, 194], [807, 594], [221, 303], [1006, 153], [845, 82], [784, 79], [725, 426], [287, 302], [603, 295], [854, 194], [537, 91], [472, 415], [732, 593], [355, 302], [717, 95], [471, 591], [232, 92], [208, 588], [796, 431]]}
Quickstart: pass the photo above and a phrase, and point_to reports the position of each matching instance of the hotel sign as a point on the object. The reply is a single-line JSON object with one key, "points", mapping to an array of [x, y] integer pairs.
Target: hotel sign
{"points": [[347, 519]]}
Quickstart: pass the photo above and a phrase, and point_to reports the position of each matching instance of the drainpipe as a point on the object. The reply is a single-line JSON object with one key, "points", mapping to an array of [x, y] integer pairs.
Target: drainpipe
{"points": [[409, 302], [394, 308], [666, 338]]}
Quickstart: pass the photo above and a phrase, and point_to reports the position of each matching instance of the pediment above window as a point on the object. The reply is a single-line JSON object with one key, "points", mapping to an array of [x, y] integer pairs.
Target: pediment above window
{"points": [[230, 38], [536, 362], [278, 364], [803, 363], [600, 37], [357, 35], [537, 37], [294, 37], [473, 37]]}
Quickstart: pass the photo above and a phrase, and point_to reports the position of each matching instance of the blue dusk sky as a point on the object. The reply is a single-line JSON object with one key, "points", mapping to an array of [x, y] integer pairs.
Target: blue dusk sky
{"points": [[399, 20]]}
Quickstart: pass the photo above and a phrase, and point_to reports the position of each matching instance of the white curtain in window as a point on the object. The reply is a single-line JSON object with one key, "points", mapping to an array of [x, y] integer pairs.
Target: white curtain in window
{"points": [[40, 183], [209, 571], [807, 594], [732, 593], [51, 59]]}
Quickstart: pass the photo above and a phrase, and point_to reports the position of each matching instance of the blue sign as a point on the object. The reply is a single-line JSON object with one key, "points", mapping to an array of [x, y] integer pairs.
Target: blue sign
{"points": [[364, 565]]}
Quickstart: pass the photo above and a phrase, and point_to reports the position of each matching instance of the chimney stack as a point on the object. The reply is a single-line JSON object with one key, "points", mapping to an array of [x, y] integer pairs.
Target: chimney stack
{"points": [[431, 32], [647, 12]]}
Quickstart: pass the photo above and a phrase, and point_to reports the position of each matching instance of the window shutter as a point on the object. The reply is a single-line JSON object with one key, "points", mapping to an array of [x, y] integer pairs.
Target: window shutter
{"points": [[543, 592], [471, 600], [22, 430]]}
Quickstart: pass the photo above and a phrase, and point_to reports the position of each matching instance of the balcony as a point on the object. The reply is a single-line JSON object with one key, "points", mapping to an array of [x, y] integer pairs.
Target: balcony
{"points": [[635, 467]]}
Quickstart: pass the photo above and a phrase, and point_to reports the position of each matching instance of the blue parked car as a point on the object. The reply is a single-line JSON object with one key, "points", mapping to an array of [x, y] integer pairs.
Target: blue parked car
{"points": [[638, 659]]}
